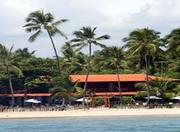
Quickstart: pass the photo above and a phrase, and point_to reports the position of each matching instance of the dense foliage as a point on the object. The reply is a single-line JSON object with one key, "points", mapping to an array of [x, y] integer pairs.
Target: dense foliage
{"points": [[142, 48]]}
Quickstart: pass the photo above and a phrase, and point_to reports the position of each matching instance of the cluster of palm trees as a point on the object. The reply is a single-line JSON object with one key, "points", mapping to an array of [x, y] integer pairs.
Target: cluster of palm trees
{"points": [[141, 52]]}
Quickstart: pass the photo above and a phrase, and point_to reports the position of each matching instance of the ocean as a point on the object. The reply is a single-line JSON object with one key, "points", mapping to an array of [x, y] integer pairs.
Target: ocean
{"points": [[93, 124]]}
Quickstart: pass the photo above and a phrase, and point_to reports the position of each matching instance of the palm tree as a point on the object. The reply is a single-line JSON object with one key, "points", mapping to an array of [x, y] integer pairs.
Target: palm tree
{"points": [[145, 43], [177, 90], [24, 53], [73, 61], [86, 37], [112, 57], [162, 86], [22, 60], [63, 87], [159, 87], [22, 57], [7, 63], [37, 21], [173, 41], [173, 52], [70, 61]]}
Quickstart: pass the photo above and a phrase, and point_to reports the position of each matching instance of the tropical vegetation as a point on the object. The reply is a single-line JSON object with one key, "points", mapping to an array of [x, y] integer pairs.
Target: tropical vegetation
{"points": [[142, 51]]}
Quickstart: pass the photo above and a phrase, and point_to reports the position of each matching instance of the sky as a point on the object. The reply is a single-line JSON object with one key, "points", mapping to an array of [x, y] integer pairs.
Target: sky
{"points": [[113, 17]]}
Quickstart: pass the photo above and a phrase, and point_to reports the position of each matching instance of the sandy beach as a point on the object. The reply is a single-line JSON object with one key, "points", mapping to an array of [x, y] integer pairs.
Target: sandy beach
{"points": [[91, 112]]}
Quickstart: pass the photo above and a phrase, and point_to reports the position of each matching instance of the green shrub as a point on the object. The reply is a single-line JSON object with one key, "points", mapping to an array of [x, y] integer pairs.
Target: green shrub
{"points": [[141, 95], [127, 99], [99, 102], [169, 95]]}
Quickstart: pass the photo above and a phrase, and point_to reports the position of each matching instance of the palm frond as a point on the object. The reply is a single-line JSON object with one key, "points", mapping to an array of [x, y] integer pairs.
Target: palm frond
{"points": [[11, 49], [30, 25], [16, 70], [77, 40], [94, 29], [56, 30], [79, 44], [33, 37], [33, 28], [104, 37], [101, 45], [59, 22], [79, 34], [49, 17]]}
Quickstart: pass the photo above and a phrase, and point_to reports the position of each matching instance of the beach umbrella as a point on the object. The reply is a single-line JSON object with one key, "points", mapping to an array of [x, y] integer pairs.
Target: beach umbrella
{"points": [[32, 101], [154, 98], [81, 100], [176, 98]]}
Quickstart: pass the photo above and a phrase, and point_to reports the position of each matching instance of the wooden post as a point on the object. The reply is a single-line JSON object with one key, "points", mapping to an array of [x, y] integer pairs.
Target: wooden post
{"points": [[108, 102], [105, 102]]}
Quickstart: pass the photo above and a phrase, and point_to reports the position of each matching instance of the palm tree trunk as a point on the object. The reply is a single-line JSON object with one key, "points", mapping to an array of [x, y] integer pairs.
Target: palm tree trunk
{"points": [[119, 86], [147, 78], [84, 89], [26, 90], [11, 87], [87, 75], [55, 51]]}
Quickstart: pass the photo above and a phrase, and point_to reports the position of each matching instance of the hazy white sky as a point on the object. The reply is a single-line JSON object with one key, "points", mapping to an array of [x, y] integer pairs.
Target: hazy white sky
{"points": [[114, 17]]}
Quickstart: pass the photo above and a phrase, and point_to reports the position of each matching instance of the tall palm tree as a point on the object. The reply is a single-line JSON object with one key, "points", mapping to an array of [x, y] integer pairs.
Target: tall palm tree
{"points": [[22, 60], [113, 58], [37, 21], [86, 36], [145, 43], [7, 63]]}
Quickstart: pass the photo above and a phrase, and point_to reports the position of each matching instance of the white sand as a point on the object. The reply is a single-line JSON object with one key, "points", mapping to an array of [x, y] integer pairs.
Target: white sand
{"points": [[91, 112]]}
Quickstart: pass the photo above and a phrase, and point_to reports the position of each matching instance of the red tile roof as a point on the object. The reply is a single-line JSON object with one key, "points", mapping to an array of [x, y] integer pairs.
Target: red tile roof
{"points": [[29, 94], [112, 78], [49, 94]]}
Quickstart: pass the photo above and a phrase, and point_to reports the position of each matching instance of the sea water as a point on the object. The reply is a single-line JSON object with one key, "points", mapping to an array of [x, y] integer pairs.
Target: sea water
{"points": [[93, 124]]}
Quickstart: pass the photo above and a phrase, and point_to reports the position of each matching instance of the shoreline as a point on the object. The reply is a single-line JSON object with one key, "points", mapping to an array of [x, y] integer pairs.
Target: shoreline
{"points": [[93, 112]]}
